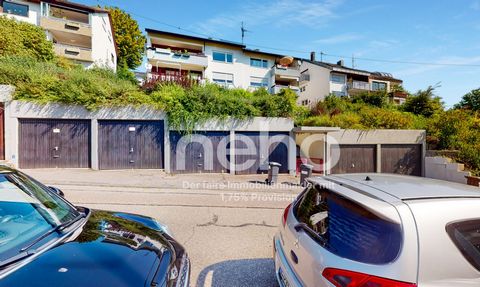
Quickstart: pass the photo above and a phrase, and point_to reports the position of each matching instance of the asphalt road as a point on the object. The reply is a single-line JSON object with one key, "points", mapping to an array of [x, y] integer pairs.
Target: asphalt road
{"points": [[226, 230]]}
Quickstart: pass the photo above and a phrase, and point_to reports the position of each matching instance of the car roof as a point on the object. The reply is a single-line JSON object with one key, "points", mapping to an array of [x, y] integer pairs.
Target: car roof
{"points": [[402, 187]]}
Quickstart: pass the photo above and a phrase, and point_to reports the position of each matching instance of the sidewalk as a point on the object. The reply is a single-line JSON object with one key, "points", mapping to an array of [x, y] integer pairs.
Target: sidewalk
{"points": [[160, 180]]}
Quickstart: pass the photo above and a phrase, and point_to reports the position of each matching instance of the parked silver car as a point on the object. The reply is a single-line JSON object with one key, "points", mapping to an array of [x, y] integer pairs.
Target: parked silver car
{"points": [[378, 230]]}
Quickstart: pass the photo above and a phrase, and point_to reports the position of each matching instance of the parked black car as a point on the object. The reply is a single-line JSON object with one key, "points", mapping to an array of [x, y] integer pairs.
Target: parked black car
{"points": [[46, 241]]}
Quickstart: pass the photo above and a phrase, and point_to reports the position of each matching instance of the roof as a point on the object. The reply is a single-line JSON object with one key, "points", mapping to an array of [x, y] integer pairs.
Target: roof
{"points": [[204, 39], [91, 9], [339, 68], [402, 187], [315, 130], [216, 41], [384, 76]]}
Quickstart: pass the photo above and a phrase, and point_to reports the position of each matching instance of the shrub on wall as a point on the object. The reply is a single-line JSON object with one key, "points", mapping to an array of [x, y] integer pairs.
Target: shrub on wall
{"points": [[22, 39]]}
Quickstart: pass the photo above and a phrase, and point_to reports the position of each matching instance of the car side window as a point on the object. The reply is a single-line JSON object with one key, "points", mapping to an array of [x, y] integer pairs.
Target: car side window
{"points": [[466, 236]]}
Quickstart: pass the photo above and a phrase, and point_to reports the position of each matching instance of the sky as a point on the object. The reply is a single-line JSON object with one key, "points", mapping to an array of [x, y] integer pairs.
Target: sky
{"points": [[378, 34]]}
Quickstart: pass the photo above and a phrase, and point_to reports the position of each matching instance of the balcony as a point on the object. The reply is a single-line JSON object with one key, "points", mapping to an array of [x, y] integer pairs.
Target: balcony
{"points": [[167, 56], [358, 85], [292, 73], [277, 88], [55, 24], [73, 52]]}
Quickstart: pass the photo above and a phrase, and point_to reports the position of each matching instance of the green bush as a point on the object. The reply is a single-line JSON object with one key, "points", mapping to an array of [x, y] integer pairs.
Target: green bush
{"points": [[25, 40]]}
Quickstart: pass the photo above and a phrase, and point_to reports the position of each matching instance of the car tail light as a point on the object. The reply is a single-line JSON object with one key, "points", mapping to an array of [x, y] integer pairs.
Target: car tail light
{"points": [[345, 278], [285, 215]]}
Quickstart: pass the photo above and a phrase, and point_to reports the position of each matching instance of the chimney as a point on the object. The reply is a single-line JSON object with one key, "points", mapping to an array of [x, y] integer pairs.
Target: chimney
{"points": [[341, 63], [312, 56]]}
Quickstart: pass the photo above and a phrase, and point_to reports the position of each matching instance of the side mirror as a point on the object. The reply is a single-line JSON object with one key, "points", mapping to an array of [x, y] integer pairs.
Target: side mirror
{"points": [[57, 190]]}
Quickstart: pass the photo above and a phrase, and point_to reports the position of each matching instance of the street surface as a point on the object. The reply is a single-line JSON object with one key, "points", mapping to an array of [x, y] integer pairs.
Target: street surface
{"points": [[225, 222]]}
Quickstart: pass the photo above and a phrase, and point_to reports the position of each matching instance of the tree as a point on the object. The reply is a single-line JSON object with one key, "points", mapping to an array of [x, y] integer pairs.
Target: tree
{"points": [[128, 37], [424, 102], [470, 101], [21, 39]]}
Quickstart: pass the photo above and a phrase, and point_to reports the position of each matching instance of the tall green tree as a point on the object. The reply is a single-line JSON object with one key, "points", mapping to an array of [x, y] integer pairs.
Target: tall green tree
{"points": [[22, 39], [470, 101], [128, 37], [424, 102]]}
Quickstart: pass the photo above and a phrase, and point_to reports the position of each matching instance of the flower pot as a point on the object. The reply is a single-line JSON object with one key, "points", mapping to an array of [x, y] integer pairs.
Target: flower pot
{"points": [[473, 180]]}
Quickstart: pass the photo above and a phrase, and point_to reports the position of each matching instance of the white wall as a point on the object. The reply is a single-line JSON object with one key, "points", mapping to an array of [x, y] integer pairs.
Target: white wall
{"points": [[103, 46], [319, 85], [240, 68], [444, 169], [33, 13]]}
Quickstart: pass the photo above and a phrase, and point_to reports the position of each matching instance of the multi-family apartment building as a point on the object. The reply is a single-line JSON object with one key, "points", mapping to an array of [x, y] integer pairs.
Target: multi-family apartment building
{"points": [[320, 79], [80, 33], [172, 56]]}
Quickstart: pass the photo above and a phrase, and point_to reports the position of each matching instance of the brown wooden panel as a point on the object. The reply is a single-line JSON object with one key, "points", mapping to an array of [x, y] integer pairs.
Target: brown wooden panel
{"points": [[195, 159], [130, 144], [276, 151], [354, 158], [402, 159], [54, 143]]}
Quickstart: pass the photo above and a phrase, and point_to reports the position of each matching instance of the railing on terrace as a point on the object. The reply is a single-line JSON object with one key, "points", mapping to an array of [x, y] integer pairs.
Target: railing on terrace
{"points": [[357, 85]]}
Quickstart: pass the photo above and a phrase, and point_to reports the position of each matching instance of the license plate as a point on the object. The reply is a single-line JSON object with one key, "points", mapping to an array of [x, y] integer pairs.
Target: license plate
{"points": [[283, 279]]}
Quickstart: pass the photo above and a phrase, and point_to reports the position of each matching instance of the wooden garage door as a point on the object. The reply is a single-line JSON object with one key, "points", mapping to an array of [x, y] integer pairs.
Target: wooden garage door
{"points": [[354, 158], [277, 151], [54, 143], [201, 152], [402, 159], [130, 144]]}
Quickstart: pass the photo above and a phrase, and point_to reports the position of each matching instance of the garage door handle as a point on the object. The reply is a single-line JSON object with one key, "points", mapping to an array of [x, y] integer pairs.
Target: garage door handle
{"points": [[56, 148]]}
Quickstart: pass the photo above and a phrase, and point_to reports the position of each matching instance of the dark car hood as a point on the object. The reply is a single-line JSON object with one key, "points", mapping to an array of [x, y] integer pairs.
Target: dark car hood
{"points": [[111, 249]]}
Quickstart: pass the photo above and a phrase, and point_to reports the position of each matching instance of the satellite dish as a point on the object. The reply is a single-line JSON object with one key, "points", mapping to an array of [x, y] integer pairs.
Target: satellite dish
{"points": [[285, 61]]}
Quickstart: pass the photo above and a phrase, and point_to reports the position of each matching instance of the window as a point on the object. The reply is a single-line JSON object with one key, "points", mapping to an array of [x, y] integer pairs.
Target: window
{"points": [[303, 89], [258, 63], [257, 82], [379, 86], [337, 78], [223, 57], [305, 102], [347, 228], [15, 8], [223, 79], [466, 236]]}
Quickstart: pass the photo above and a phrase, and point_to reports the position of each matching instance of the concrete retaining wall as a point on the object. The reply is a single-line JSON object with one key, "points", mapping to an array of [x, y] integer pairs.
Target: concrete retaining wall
{"points": [[20, 109], [445, 169]]}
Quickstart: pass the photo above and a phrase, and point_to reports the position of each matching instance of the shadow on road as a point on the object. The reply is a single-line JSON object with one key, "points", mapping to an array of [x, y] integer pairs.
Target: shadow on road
{"points": [[239, 273]]}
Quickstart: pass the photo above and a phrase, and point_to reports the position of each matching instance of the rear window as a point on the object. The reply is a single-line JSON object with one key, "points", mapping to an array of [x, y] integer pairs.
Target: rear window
{"points": [[466, 236], [348, 229]]}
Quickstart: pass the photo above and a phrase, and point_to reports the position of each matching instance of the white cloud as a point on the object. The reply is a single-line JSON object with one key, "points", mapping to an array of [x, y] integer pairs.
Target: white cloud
{"points": [[338, 39], [279, 13], [420, 69]]}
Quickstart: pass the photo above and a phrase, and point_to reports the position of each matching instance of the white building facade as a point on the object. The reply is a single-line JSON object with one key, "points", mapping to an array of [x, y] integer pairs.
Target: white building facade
{"points": [[80, 33], [320, 79], [172, 56]]}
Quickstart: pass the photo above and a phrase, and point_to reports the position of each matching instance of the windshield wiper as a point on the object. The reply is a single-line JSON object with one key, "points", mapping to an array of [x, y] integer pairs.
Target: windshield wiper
{"points": [[14, 259], [57, 228]]}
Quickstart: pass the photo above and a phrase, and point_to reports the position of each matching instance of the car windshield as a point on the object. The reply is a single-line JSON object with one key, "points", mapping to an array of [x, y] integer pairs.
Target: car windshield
{"points": [[28, 209]]}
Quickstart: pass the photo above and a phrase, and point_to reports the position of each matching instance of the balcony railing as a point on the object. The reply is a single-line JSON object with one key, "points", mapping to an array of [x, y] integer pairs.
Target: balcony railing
{"points": [[357, 85], [73, 52], [277, 88], [166, 55], [184, 80], [57, 24], [286, 72]]}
